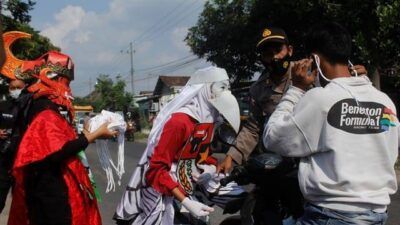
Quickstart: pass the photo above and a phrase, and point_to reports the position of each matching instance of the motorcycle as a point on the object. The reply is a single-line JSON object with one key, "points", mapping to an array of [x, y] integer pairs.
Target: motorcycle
{"points": [[261, 171], [130, 130], [258, 170]]}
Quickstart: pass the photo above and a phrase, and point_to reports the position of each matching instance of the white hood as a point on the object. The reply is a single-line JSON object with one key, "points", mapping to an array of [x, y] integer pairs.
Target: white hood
{"points": [[216, 82]]}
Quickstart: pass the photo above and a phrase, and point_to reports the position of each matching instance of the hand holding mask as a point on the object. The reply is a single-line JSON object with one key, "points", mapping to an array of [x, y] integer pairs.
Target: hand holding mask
{"points": [[302, 74]]}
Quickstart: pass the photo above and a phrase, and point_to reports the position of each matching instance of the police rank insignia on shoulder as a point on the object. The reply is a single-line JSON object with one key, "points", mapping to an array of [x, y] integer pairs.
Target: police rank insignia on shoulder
{"points": [[266, 33], [285, 64]]}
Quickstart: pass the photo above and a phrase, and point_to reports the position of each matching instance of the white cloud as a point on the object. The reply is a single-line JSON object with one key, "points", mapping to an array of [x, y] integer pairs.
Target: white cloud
{"points": [[68, 20], [82, 37], [94, 39], [178, 36]]}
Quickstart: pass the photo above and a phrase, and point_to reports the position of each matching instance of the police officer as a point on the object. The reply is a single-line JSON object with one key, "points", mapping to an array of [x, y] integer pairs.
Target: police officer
{"points": [[275, 53]]}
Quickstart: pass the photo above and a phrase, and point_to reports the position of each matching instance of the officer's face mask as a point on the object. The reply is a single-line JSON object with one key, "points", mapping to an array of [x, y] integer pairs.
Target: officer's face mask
{"points": [[277, 66], [15, 93]]}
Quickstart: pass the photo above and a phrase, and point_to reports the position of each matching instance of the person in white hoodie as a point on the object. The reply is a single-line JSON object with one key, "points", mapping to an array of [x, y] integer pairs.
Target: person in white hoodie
{"points": [[345, 131]]}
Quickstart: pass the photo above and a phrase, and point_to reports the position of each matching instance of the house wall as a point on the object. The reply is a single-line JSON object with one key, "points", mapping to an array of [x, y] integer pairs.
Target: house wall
{"points": [[165, 99], [168, 94]]}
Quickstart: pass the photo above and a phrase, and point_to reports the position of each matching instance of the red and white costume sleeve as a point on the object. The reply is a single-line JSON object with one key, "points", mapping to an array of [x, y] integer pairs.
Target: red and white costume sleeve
{"points": [[174, 136]]}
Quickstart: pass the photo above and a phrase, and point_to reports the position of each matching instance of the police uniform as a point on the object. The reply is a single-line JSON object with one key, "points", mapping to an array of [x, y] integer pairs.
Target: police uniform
{"points": [[265, 95]]}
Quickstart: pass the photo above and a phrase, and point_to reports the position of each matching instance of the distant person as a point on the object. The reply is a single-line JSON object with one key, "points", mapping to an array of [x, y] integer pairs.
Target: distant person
{"points": [[14, 119], [345, 131], [2, 51], [86, 118]]}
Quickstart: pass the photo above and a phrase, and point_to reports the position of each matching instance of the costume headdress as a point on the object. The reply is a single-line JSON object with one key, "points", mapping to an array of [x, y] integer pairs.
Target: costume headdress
{"points": [[51, 73]]}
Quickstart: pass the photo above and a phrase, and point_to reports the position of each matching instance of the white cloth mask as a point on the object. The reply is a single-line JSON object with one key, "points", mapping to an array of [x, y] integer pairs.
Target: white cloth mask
{"points": [[15, 93], [317, 81]]}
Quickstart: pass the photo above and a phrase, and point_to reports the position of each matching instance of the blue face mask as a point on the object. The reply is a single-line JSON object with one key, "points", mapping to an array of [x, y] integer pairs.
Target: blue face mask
{"points": [[15, 93]]}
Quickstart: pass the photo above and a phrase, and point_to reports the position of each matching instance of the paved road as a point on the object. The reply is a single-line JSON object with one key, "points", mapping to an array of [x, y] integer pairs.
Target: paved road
{"points": [[133, 152]]}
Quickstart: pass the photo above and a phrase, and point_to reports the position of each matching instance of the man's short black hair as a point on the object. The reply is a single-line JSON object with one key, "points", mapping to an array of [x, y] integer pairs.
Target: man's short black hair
{"points": [[331, 40]]}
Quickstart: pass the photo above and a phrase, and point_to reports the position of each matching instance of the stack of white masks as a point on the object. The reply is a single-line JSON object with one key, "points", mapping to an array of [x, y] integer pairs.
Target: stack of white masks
{"points": [[116, 123]]}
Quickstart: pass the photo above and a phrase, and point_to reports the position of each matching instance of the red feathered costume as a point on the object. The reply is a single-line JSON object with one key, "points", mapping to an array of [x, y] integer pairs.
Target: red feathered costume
{"points": [[46, 159]]}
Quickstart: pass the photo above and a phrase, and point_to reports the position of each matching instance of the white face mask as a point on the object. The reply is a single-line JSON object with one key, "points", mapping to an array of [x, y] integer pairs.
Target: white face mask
{"points": [[15, 93], [317, 81], [353, 72], [226, 104]]}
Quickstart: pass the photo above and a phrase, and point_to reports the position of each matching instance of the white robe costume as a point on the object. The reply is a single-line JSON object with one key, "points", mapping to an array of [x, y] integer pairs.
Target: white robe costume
{"points": [[205, 97]]}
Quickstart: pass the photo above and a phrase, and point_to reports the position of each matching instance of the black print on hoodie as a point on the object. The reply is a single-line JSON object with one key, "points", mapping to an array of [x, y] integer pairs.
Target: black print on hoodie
{"points": [[360, 117]]}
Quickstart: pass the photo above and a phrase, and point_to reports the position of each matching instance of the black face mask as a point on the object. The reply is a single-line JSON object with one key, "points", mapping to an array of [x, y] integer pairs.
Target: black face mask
{"points": [[279, 67]]}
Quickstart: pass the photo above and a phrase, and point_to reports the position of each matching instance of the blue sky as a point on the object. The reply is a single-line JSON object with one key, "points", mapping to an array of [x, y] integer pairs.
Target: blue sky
{"points": [[97, 33]]}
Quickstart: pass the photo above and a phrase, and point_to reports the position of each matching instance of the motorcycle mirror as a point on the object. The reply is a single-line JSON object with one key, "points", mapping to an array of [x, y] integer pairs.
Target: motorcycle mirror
{"points": [[226, 134], [267, 161]]}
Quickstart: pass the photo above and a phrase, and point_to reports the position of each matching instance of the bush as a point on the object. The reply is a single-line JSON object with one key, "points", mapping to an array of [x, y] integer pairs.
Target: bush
{"points": [[140, 136]]}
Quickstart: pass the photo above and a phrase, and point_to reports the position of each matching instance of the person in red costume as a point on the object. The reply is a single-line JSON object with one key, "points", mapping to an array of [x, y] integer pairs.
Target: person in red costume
{"points": [[178, 150], [51, 184]]}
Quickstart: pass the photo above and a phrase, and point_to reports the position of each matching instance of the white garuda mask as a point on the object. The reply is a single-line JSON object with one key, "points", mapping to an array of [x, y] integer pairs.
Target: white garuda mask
{"points": [[220, 96]]}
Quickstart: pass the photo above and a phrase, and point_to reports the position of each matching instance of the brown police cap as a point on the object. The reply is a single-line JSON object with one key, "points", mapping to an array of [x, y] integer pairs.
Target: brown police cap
{"points": [[272, 34]]}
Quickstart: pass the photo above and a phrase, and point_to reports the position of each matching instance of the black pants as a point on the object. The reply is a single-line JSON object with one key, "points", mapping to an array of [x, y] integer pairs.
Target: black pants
{"points": [[280, 196], [47, 196], [5, 178]]}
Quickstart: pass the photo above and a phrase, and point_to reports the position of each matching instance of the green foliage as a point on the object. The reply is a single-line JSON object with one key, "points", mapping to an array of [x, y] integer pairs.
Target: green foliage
{"points": [[27, 49], [19, 9], [227, 30], [108, 95], [140, 137], [82, 101]]}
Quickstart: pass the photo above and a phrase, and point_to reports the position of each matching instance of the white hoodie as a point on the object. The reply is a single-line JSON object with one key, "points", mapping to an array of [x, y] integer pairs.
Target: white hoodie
{"points": [[347, 136]]}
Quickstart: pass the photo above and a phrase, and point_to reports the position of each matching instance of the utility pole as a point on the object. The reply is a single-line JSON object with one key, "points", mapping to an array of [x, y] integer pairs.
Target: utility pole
{"points": [[90, 85], [131, 51]]}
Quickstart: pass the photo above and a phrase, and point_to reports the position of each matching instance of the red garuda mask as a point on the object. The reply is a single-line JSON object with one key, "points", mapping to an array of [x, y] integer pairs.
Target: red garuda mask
{"points": [[55, 89], [56, 72]]}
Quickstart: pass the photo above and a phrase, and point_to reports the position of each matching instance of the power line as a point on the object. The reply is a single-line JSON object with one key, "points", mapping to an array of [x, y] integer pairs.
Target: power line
{"points": [[162, 22], [174, 66], [178, 67], [169, 25], [162, 19], [166, 64]]}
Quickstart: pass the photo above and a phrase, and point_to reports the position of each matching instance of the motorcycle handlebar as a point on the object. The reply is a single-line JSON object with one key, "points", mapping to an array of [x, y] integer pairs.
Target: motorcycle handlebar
{"points": [[226, 180], [235, 175]]}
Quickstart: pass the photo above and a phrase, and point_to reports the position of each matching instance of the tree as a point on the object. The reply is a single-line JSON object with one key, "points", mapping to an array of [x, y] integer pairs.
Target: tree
{"points": [[19, 9], [227, 30], [108, 95], [19, 19]]}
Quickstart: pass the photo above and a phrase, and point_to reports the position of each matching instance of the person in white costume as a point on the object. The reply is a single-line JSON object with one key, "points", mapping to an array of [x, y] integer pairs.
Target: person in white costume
{"points": [[178, 153]]}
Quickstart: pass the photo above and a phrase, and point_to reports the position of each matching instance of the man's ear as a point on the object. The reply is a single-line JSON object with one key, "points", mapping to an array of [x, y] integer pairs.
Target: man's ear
{"points": [[290, 50]]}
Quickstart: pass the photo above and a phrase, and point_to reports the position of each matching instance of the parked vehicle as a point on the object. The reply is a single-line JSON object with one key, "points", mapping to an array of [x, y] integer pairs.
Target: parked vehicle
{"points": [[130, 130], [79, 125]]}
